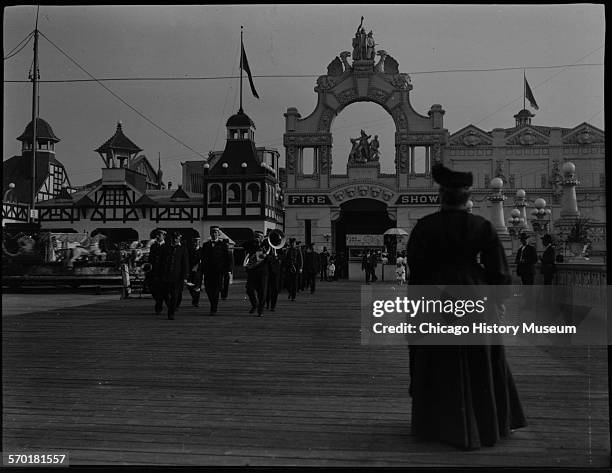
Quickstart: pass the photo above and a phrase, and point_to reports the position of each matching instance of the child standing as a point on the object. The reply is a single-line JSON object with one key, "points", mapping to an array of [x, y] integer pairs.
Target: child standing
{"points": [[400, 273], [331, 270]]}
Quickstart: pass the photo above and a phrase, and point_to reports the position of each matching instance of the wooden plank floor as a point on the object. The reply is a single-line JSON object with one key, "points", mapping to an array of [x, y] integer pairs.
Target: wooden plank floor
{"points": [[112, 383]]}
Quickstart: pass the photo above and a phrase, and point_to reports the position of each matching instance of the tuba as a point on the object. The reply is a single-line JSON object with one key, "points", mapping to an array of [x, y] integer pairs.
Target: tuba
{"points": [[275, 240]]}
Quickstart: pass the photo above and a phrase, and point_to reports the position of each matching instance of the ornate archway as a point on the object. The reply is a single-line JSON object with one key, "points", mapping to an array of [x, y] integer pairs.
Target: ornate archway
{"points": [[373, 76]]}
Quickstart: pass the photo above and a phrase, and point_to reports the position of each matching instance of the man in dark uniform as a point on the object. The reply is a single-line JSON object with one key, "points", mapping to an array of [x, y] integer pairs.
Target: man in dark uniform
{"points": [[324, 258], [274, 279], [174, 271], [548, 260], [194, 284], [293, 266], [156, 268], [312, 263], [227, 276], [461, 395], [526, 259], [216, 263], [257, 270]]}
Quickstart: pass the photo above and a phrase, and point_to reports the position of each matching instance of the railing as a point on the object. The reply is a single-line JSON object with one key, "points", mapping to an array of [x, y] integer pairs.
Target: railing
{"points": [[15, 211]]}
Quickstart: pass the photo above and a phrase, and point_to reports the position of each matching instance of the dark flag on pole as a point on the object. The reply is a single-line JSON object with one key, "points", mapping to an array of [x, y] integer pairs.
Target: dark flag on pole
{"points": [[244, 64], [528, 95]]}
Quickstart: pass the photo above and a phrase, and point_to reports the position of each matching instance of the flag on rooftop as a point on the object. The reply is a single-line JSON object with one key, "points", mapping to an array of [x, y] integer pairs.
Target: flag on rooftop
{"points": [[528, 95]]}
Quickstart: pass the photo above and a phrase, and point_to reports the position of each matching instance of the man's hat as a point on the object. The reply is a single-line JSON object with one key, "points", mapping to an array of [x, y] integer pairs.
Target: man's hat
{"points": [[159, 231], [448, 178], [523, 236], [215, 226], [176, 235]]}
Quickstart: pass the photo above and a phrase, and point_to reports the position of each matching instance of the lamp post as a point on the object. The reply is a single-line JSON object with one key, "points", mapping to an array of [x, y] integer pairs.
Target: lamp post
{"points": [[540, 221], [521, 204]]}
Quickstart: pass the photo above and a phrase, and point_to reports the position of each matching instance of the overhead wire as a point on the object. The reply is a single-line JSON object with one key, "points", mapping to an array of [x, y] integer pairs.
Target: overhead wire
{"points": [[142, 115], [12, 52]]}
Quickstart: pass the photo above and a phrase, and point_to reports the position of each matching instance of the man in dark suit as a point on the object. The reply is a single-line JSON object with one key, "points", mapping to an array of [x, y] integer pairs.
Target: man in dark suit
{"points": [[195, 272], [312, 263], [154, 276], [368, 264], [548, 260], [215, 263], [174, 271], [526, 259], [293, 267], [257, 271]]}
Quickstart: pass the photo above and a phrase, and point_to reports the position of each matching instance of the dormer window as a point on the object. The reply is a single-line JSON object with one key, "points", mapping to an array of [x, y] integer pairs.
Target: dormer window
{"points": [[233, 193], [215, 194]]}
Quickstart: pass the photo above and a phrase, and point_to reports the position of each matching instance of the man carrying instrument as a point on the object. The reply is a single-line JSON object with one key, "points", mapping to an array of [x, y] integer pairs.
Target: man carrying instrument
{"points": [[257, 269]]}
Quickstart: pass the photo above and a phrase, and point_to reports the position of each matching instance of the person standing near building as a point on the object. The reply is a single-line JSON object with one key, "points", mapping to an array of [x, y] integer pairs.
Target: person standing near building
{"points": [[324, 262], [155, 260], [216, 264], [312, 264], [549, 268], [194, 284], [293, 266], [368, 264], [174, 271], [526, 259], [258, 271], [461, 395]]}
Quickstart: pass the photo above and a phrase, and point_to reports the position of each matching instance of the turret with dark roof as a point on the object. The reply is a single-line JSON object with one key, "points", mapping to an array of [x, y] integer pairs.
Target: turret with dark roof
{"points": [[118, 147], [44, 132]]}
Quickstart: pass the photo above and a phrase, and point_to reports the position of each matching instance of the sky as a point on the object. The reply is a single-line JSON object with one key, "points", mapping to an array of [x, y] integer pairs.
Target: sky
{"points": [[284, 40]]}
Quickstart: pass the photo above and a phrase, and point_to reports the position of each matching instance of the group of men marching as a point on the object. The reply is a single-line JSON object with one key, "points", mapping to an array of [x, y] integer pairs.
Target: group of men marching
{"points": [[174, 266]]}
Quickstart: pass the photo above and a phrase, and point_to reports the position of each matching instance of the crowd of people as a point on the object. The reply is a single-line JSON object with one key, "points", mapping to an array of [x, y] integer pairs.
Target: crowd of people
{"points": [[295, 268]]}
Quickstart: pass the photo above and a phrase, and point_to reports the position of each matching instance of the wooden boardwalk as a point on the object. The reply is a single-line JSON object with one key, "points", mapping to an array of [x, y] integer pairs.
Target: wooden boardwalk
{"points": [[112, 383]]}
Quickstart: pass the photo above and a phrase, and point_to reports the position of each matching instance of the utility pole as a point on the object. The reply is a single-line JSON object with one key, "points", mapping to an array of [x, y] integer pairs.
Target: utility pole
{"points": [[34, 76]]}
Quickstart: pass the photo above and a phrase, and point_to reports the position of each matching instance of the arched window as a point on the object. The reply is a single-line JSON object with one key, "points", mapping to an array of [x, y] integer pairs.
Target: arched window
{"points": [[253, 192], [233, 193], [215, 193]]}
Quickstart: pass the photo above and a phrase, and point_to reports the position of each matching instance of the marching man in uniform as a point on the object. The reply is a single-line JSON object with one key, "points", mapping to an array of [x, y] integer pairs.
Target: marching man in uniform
{"points": [[216, 263], [256, 265]]}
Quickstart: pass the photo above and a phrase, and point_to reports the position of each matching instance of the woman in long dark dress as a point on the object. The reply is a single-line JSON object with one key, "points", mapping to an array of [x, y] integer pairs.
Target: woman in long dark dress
{"points": [[461, 395]]}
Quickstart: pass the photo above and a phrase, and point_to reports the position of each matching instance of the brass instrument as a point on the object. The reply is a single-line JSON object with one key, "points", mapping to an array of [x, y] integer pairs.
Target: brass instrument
{"points": [[275, 240]]}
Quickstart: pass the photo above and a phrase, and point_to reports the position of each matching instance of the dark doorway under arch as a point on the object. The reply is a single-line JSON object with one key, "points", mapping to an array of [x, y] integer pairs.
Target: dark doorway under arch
{"points": [[360, 216]]}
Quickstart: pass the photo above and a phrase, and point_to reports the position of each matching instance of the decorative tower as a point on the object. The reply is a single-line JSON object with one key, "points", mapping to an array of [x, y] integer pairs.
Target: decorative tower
{"points": [[118, 148], [45, 139], [523, 118]]}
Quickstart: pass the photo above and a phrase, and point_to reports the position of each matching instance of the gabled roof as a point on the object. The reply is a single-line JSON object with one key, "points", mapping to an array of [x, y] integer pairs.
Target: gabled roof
{"points": [[119, 142], [18, 170], [43, 132]]}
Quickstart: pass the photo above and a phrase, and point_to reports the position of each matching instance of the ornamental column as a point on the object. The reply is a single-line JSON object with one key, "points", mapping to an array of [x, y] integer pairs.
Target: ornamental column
{"points": [[569, 204], [497, 197]]}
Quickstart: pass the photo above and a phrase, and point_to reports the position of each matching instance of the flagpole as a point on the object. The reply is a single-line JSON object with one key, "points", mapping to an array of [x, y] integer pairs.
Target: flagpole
{"points": [[241, 55], [34, 117], [524, 88]]}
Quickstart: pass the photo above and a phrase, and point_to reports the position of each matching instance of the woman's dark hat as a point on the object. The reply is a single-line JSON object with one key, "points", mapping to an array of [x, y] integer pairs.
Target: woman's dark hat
{"points": [[448, 178]]}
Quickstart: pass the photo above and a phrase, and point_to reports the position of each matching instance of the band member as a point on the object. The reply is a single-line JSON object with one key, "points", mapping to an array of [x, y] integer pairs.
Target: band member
{"points": [[194, 283], [156, 268], [274, 279], [174, 271], [293, 266], [526, 259], [312, 263], [216, 263], [227, 276], [257, 270]]}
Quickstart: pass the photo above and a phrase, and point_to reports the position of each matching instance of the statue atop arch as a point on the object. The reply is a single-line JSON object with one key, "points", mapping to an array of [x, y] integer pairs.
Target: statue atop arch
{"points": [[364, 151], [363, 45]]}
